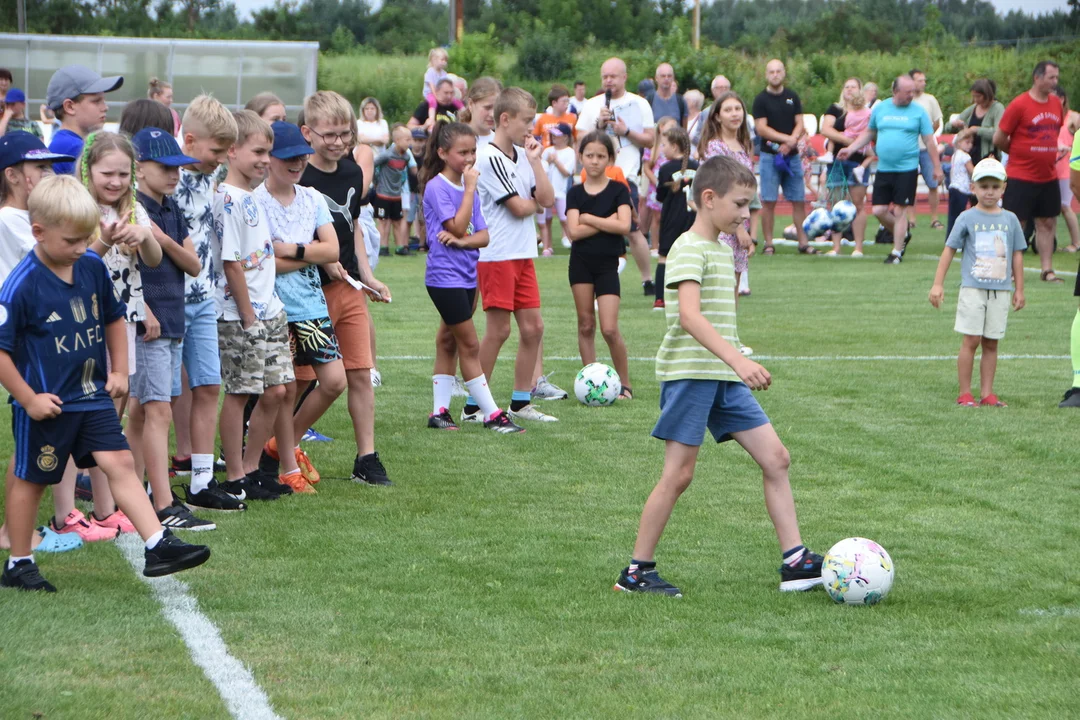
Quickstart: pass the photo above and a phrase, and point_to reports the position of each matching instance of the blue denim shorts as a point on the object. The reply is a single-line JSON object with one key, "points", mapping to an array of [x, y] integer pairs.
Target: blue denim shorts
{"points": [[200, 349], [690, 407], [773, 179], [926, 168], [151, 383]]}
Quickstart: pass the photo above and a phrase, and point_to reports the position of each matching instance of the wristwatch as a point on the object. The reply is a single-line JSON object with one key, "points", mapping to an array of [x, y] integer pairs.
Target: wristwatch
{"points": [[300, 252]]}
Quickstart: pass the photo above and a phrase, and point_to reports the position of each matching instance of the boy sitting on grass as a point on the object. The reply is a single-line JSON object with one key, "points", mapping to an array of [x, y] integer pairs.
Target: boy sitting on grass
{"points": [[705, 382], [993, 243]]}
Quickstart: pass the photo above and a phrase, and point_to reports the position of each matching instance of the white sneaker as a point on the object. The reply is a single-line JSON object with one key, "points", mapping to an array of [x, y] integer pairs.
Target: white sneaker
{"points": [[654, 253], [476, 417], [856, 254], [546, 390], [746, 350], [531, 412], [376, 378], [622, 265], [566, 243], [858, 172], [459, 389]]}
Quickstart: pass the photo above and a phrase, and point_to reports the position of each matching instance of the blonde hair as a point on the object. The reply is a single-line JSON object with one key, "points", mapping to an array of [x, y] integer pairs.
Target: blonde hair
{"points": [[328, 106], [97, 146], [371, 101], [157, 87], [249, 123], [262, 101], [437, 52], [481, 89], [514, 101], [206, 117], [59, 199]]}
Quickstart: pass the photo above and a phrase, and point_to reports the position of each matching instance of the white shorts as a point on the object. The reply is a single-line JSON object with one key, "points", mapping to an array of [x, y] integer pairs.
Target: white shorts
{"points": [[131, 351], [982, 313], [1066, 192], [559, 209]]}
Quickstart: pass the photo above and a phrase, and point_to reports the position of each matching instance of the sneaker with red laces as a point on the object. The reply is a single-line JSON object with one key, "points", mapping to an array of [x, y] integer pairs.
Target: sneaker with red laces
{"points": [[118, 521], [297, 482], [992, 400], [304, 463], [966, 400], [77, 523], [659, 304]]}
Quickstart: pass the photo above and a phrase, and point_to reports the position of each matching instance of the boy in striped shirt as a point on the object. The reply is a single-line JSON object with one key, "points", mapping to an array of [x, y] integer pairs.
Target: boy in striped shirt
{"points": [[705, 382]]}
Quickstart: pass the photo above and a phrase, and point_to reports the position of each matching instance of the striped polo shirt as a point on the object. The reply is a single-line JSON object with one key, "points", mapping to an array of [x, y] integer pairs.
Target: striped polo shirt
{"points": [[710, 263]]}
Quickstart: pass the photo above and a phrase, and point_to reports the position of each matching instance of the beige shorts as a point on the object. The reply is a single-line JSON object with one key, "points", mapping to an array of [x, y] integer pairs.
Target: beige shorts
{"points": [[982, 312], [257, 358]]}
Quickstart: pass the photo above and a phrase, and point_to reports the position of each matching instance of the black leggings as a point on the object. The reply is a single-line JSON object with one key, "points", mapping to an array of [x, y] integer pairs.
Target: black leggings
{"points": [[958, 203]]}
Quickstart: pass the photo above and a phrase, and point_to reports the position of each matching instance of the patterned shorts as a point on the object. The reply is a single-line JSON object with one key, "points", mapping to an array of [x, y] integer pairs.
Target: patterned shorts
{"points": [[256, 358], [313, 342]]}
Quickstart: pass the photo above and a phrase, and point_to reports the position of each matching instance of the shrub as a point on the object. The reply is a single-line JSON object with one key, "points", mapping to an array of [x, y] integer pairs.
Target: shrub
{"points": [[543, 55], [476, 55]]}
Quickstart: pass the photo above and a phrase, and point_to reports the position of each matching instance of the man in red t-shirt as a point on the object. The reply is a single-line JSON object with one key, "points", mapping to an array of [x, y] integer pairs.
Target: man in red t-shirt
{"points": [[1028, 132]]}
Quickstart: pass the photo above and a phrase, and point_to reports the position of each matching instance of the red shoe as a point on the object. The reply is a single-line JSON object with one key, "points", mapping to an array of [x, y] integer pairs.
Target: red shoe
{"points": [[117, 521], [658, 304], [966, 400], [991, 400], [77, 523]]}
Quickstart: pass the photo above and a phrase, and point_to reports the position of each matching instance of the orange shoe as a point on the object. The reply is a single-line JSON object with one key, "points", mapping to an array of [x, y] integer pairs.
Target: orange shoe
{"points": [[270, 448], [304, 463], [296, 481]]}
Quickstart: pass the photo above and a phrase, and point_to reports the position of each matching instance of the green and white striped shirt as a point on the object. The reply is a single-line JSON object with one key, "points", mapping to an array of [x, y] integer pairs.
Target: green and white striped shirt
{"points": [[710, 263]]}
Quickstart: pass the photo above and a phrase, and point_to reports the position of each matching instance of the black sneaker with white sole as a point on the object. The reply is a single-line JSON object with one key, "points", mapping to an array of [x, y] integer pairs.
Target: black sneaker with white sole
{"points": [[178, 517], [907, 239], [645, 581], [501, 423], [370, 471], [244, 489], [24, 575], [212, 498], [269, 482], [649, 288], [804, 576], [443, 421], [893, 259], [1071, 399], [172, 554]]}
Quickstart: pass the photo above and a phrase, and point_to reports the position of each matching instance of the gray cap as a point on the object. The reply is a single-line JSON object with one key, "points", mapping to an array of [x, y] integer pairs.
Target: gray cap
{"points": [[73, 80]]}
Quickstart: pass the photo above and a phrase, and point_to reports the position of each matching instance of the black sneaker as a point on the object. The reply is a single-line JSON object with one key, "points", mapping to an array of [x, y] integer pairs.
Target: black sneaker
{"points": [[442, 421], [893, 259], [369, 470], [403, 250], [804, 576], [501, 423], [173, 555], [212, 498], [883, 237], [219, 465], [178, 517], [649, 288], [269, 482], [1071, 399], [907, 239], [268, 465], [179, 467], [646, 582], [384, 252], [25, 576], [244, 489]]}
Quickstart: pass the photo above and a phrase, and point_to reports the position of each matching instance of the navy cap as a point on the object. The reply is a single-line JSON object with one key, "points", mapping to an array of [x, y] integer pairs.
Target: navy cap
{"points": [[15, 95], [561, 129], [156, 145], [419, 133], [71, 81], [289, 142], [19, 146]]}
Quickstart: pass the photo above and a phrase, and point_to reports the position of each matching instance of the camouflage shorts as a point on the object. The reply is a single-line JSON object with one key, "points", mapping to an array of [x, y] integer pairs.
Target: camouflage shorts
{"points": [[256, 358]]}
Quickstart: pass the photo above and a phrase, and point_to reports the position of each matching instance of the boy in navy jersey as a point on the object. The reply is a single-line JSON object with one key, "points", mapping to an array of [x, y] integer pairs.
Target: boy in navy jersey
{"points": [[58, 313]]}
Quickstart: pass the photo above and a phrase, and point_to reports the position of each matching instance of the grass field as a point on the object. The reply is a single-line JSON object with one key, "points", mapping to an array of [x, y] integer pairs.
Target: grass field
{"points": [[480, 584]]}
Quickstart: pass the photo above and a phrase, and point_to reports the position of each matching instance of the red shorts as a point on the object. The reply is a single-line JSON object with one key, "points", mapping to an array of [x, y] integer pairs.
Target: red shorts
{"points": [[508, 285]]}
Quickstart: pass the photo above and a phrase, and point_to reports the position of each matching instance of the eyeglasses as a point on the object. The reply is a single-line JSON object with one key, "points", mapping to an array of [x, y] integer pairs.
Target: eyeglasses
{"points": [[331, 138]]}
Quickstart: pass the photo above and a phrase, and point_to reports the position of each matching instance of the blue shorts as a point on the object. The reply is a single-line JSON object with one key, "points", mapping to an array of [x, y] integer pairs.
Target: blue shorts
{"points": [[773, 179], [150, 383], [42, 448], [414, 206], [689, 407], [926, 168], [200, 348]]}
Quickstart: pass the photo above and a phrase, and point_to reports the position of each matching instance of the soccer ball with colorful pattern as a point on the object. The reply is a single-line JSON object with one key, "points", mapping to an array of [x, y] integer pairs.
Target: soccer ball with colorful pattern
{"points": [[842, 215], [857, 571], [817, 223], [597, 385]]}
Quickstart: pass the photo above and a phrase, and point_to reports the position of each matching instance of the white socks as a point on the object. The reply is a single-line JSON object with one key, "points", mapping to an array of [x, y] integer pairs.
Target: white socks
{"points": [[480, 391], [12, 560], [202, 472], [744, 281], [443, 390], [153, 540]]}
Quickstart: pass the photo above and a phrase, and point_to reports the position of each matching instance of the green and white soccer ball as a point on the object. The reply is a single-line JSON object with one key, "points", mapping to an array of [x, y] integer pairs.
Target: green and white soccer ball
{"points": [[597, 385], [857, 571]]}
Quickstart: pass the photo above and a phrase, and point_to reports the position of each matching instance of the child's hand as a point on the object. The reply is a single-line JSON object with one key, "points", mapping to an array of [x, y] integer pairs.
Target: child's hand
{"points": [[380, 288], [107, 232], [247, 318], [533, 149], [744, 239], [1018, 301], [470, 176], [335, 271], [448, 239], [151, 326], [116, 385], [937, 295], [755, 376], [44, 406]]}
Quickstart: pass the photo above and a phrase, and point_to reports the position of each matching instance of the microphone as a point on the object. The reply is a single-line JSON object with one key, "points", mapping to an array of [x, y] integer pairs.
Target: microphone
{"points": [[607, 98]]}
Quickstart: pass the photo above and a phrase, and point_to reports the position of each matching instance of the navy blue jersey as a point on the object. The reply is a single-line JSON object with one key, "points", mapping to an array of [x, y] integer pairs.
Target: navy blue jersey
{"points": [[163, 286], [55, 332]]}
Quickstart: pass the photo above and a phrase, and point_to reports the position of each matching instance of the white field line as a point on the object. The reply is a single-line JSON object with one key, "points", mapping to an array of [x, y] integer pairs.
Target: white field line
{"points": [[243, 697], [774, 358]]}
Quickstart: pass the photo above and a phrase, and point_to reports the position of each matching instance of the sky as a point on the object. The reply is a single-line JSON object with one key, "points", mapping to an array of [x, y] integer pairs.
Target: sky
{"points": [[1003, 6]]}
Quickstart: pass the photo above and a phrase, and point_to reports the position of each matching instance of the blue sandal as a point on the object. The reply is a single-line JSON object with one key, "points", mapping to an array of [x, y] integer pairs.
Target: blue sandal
{"points": [[54, 542]]}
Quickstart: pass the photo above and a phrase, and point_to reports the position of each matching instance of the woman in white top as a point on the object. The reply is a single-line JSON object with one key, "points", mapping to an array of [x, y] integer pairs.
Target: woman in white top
{"points": [[372, 129]]}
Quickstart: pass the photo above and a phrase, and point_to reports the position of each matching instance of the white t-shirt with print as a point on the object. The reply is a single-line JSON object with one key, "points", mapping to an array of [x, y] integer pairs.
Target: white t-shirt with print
{"points": [[567, 158], [243, 236], [501, 178], [16, 240], [959, 177], [124, 267], [633, 110]]}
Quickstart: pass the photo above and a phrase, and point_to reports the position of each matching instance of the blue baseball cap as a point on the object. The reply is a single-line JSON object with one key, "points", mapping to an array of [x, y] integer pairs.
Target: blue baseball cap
{"points": [[156, 145], [19, 146], [15, 95], [289, 142]]}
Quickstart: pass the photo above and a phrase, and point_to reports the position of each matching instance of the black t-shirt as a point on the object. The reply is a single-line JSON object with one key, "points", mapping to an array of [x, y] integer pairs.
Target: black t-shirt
{"points": [[344, 191], [604, 204], [422, 110], [779, 111], [976, 147], [676, 216], [841, 119]]}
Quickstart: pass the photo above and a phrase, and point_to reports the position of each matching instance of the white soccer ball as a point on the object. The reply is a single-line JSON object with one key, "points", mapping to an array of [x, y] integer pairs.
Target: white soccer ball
{"points": [[843, 214], [857, 571], [597, 385], [817, 223]]}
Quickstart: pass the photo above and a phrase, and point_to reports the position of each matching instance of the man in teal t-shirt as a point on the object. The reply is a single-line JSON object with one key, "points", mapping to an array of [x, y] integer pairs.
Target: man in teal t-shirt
{"points": [[895, 127]]}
